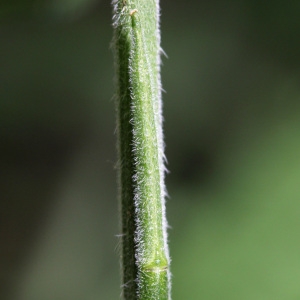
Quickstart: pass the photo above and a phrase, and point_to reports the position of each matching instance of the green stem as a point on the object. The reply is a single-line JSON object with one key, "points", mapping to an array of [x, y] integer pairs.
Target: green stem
{"points": [[145, 258]]}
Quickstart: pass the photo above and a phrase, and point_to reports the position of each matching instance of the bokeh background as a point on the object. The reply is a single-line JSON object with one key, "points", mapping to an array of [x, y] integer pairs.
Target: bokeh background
{"points": [[232, 121]]}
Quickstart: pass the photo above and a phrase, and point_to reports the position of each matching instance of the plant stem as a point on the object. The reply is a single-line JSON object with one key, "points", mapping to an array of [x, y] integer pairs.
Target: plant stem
{"points": [[145, 257]]}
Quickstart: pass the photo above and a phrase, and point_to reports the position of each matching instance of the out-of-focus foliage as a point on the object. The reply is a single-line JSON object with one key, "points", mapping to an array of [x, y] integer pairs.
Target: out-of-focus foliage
{"points": [[239, 239], [45, 8], [231, 127]]}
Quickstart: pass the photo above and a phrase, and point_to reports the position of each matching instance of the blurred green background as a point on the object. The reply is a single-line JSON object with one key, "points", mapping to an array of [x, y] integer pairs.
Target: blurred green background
{"points": [[232, 121]]}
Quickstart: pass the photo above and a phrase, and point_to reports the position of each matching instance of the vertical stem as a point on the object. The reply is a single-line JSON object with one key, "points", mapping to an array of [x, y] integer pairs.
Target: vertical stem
{"points": [[145, 257]]}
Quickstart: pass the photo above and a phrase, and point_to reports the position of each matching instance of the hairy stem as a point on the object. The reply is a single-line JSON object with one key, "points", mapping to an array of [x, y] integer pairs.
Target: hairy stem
{"points": [[145, 258]]}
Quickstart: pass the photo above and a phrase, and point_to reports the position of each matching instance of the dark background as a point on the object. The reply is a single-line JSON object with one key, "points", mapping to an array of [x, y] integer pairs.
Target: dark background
{"points": [[231, 127]]}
